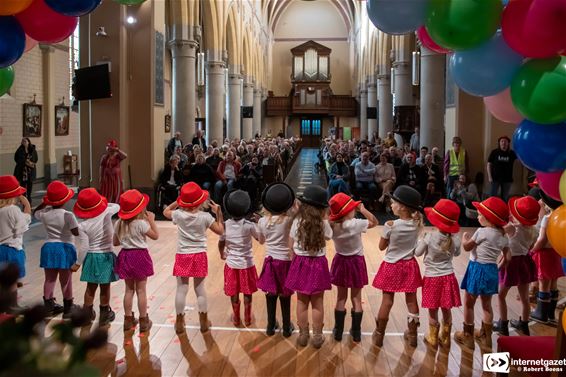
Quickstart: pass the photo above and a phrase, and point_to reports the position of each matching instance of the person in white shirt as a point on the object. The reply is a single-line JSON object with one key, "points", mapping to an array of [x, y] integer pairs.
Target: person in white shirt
{"points": [[134, 263], [58, 254], [348, 269], [96, 254], [309, 275], [235, 247], [440, 287], [13, 224], [191, 260], [399, 271]]}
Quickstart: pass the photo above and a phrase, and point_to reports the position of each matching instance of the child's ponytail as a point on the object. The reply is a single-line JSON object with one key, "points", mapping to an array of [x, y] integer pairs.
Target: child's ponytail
{"points": [[446, 245]]}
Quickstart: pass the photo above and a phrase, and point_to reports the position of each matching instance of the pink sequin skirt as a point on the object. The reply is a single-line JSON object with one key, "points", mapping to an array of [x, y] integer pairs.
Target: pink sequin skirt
{"points": [[441, 292], [191, 265], [401, 276]]}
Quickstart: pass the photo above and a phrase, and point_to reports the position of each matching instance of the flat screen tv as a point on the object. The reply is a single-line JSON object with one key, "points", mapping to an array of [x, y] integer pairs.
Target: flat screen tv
{"points": [[92, 83]]}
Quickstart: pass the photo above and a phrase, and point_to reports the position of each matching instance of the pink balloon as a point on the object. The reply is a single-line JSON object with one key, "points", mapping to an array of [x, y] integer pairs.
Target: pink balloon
{"points": [[427, 41], [501, 107], [30, 43], [550, 183], [44, 24]]}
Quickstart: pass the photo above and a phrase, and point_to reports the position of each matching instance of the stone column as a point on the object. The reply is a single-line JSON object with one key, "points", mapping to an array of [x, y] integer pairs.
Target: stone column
{"points": [[372, 102], [234, 129], [403, 84], [215, 84], [248, 101], [257, 112], [433, 87], [48, 112], [363, 114], [385, 105]]}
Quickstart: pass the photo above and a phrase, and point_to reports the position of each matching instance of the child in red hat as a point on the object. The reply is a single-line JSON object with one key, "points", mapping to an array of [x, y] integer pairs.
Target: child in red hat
{"points": [[489, 249], [191, 260], [440, 287], [13, 224], [521, 270], [348, 269], [134, 263], [96, 254], [58, 254]]}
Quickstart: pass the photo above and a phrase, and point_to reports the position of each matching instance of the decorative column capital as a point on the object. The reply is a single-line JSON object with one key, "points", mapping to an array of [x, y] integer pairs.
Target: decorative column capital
{"points": [[46, 48], [182, 47], [397, 64]]}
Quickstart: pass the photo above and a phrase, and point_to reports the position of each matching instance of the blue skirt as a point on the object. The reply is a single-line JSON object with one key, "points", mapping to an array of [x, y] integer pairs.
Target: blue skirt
{"points": [[10, 254], [481, 279], [58, 255], [98, 268]]}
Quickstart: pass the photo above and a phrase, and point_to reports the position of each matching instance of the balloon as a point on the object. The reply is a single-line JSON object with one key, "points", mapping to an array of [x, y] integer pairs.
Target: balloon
{"points": [[535, 28], [562, 187], [501, 107], [45, 25], [10, 7], [564, 320], [12, 41], [427, 41], [463, 24], [73, 8], [130, 2], [395, 16], [6, 79], [538, 90], [30, 43], [485, 70], [549, 183], [541, 147], [556, 230]]}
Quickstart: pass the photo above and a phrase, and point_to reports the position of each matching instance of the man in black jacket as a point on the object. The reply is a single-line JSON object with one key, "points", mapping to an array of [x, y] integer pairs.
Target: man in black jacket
{"points": [[199, 140]]}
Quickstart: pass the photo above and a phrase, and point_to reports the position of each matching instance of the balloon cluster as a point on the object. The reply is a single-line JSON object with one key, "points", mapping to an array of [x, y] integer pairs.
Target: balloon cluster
{"points": [[512, 53]]}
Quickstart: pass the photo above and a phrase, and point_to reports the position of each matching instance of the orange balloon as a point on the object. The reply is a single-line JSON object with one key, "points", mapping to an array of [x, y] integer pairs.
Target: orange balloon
{"points": [[556, 230], [10, 7]]}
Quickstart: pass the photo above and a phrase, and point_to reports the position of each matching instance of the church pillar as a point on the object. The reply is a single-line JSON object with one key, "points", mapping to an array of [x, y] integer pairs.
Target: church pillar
{"points": [[363, 113], [215, 93], [49, 157], [385, 105], [372, 102], [257, 111], [248, 101], [234, 129], [432, 109]]}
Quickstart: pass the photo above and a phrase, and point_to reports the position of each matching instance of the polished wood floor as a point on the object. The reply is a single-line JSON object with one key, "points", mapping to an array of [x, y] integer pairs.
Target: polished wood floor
{"points": [[229, 351]]}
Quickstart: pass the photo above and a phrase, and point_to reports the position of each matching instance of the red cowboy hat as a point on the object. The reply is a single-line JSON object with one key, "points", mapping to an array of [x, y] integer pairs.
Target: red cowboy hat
{"points": [[112, 143], [191, 196], [494, 209], [444, 215], [89, 204], [340, 205], [525, 209], [10, 187], [533, 183], [132, 203], [57, 194]]}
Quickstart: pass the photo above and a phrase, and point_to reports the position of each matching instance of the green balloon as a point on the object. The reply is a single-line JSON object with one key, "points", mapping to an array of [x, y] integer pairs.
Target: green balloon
{"points": [[6, 79], [130, 2], [463, 24], [538, 91]]}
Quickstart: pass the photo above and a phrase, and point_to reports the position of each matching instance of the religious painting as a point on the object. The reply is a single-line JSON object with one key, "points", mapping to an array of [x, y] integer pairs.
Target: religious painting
{"points": [[61, 120], [167, 123], [32, 120]]}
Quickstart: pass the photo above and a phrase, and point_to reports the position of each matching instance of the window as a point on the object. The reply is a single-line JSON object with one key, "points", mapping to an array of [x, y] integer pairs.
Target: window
{"points": [[316, 127], [305, 127]]}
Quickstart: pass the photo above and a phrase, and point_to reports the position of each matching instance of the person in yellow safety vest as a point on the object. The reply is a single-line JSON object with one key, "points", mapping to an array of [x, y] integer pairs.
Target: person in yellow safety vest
{"points": [[455, 163]]}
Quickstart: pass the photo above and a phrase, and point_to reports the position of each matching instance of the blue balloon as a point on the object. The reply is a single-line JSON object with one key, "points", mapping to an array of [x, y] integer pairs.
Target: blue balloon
{"points": [[541, 147], [73, 8], [397, 16], [505, 2], [12, 41], [485, 70]]}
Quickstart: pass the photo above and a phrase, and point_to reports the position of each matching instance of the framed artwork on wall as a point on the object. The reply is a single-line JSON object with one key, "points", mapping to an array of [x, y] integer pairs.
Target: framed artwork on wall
{"points": [[61, 120], [167, 123], [32, 120]]}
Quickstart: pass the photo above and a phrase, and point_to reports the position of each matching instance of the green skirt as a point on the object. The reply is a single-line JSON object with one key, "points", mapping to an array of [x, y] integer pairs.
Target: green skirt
{"points": [[98, 268]]}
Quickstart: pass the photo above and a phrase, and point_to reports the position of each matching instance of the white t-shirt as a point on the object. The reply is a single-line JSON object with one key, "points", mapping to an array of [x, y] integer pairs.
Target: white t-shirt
{"points": [[95, 234], [192, 230], [437, 261], [520, 243], [542, 228], [135, 237], [297, 248], [13, 224], [275, 233], [402, 236], [490, 243], [238, 248], [347, 236], [58, 223], [229, 171]]}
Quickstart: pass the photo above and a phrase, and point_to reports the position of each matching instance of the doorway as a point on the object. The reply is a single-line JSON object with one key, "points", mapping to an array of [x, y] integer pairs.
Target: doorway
{"points": [[311, 130]]}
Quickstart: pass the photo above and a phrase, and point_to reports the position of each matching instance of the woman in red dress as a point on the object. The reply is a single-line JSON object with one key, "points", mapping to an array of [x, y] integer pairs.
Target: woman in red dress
{"points": [[110, 173]]}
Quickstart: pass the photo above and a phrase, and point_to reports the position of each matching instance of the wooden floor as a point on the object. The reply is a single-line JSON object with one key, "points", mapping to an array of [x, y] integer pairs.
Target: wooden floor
{"points": [[229, 351]]}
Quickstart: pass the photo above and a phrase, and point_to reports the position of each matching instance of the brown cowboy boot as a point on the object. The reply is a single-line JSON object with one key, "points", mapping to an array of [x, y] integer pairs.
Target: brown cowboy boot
{"points": [[432, 337], [466, 337], [410, 334], [204, 322], [379, 332], [483, 336], [180, 323], [444, 336]]}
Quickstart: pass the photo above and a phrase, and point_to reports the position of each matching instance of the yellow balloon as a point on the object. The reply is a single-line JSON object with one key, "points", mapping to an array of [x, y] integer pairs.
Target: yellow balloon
{"points": [[556, 230], [10, 7], [562, 186]]}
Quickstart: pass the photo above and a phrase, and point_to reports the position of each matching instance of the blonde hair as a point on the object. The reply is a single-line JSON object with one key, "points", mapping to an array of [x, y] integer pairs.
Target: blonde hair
{"points": [[446, 245], [7, 202], [310, 233], [123, 226], [281, 218]]}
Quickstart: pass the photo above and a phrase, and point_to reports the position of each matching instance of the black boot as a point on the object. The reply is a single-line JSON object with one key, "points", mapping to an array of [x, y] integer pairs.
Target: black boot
{"points": [[91, 311], [552, 306], [338, 330], [502, 327], [52, 307], [356, 329], [540, 314], [69, 308], [522, 326], [107, 315], [288, 328], [271, 310]]}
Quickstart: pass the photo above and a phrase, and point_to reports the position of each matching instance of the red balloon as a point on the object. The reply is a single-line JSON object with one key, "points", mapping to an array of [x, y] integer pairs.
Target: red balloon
{"points": [[535, 28], [44, 24], [550, 183], [429, 43]]}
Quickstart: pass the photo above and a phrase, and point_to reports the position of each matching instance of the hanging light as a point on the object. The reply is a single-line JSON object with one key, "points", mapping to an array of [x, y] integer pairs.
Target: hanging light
{"points": [[200, 69], [416, 73], [392, 80]]}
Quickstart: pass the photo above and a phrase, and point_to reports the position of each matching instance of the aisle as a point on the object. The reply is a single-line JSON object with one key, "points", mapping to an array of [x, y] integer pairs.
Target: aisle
{"points": [[302, 173]]}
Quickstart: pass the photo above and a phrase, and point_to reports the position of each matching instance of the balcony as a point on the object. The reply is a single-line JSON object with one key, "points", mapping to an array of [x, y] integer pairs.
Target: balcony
{"points": [[333, 105]]}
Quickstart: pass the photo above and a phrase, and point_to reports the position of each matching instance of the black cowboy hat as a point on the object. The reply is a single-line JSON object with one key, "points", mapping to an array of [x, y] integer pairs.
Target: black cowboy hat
{"points": [[407, 196], [278, 198], [237, 203], [552, 203], [316, 196]]}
